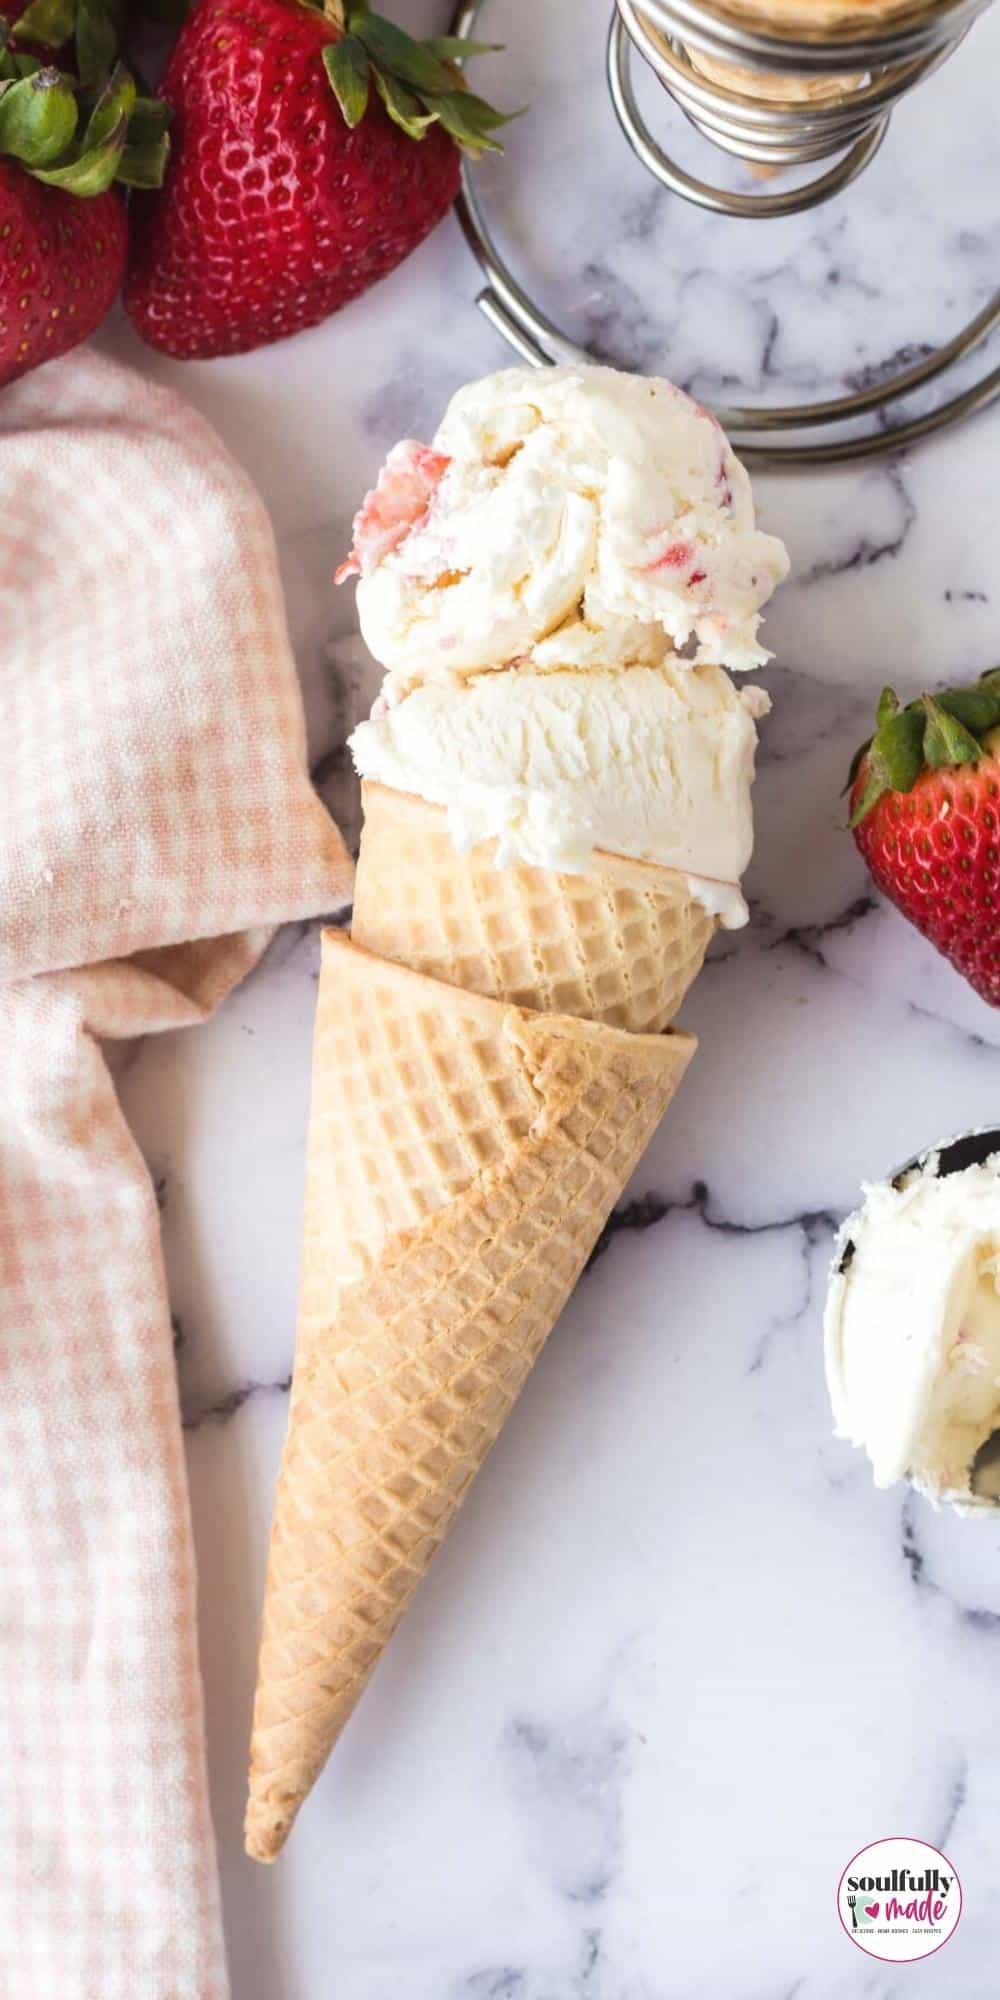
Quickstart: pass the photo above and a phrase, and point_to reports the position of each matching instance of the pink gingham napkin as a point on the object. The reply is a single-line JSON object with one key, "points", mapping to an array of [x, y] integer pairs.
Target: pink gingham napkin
{"points": [[156, 821]]}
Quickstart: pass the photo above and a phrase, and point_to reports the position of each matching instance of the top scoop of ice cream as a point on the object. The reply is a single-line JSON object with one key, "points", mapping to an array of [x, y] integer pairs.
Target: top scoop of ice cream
{"points": [[564, 518], [913, 1327]]}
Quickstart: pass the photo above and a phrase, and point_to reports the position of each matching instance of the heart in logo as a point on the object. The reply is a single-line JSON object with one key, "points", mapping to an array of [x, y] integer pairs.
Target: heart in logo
{"points": [[871, 1910]]}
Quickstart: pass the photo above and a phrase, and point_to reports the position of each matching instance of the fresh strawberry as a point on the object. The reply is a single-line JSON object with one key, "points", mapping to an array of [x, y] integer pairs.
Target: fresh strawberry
{"points": [[925, 809], [61, 263], [63, 230], [312, 151]]}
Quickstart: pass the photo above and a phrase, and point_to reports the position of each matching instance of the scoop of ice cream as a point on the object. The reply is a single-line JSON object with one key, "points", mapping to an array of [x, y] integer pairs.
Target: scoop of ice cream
{"points": [[655, 763], [564, 518], [913, 1327]]}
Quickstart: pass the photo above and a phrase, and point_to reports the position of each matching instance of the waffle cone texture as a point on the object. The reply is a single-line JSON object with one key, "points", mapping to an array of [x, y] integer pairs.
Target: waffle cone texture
{"points": [[469, 1136], [620, 944]]}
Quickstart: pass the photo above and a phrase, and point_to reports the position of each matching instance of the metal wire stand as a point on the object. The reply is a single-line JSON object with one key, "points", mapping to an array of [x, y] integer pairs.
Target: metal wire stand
{"points": [[868, 76]]}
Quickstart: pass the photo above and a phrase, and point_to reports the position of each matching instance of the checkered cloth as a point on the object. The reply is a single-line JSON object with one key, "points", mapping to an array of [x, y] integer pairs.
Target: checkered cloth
{"points": [[156, 821]]}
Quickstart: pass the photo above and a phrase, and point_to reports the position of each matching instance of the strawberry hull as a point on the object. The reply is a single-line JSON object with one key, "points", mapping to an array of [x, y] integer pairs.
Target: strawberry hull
{"points": [[274, 213]]}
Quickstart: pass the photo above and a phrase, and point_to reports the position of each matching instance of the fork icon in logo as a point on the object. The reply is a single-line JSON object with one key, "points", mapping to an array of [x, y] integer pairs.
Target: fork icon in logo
{"points": [[852, 1904]]}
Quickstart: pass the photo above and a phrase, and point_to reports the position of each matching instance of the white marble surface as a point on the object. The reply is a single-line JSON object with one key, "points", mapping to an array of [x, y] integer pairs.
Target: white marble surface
{"points": [[678, 1660]]}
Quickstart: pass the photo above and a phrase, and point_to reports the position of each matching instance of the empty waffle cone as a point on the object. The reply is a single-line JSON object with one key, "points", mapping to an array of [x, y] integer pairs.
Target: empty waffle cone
{"points": [[812, 20], [464, 1155], [766, 86], [824, 20], [620, 944]]}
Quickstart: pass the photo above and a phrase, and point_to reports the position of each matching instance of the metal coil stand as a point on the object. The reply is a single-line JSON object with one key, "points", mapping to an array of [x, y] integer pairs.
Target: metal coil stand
{"points": [[777, 103]]}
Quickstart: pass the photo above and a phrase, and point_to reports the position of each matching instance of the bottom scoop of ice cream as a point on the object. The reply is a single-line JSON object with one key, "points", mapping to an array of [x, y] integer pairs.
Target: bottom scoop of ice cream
{"points": [[913, 1328], [654, 763]]}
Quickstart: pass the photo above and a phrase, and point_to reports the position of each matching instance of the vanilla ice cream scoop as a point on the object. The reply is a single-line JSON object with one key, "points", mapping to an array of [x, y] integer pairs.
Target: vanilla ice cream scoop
{"points": [[564, 518], [655, 763], [913, 1324]]}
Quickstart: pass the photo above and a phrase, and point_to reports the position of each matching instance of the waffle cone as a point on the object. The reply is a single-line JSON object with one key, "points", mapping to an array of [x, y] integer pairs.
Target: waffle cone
{"points": [[824, 20], [766, 86], [815, 20], [464, 1155], [620, 944]]}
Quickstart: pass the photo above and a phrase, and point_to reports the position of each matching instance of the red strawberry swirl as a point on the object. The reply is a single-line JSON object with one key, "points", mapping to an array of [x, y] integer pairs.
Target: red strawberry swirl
{"points": [[400, 502]]}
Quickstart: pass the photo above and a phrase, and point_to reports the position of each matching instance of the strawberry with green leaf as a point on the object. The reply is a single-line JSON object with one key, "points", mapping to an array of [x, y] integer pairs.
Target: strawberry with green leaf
{"points": [[43, 27], [63, 227], [314, 147], [925, 810]]}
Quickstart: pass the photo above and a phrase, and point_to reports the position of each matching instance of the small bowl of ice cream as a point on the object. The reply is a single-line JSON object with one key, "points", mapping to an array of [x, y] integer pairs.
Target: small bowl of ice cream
{"points": [[912, 1326]]}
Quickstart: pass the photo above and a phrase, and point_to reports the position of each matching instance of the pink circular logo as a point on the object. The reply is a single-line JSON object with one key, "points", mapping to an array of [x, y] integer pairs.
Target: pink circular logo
{"points": [[899, 1899]]}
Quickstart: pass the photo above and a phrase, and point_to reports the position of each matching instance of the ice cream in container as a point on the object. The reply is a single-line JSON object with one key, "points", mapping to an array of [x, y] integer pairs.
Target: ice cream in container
{"points": [[912, 1325]]}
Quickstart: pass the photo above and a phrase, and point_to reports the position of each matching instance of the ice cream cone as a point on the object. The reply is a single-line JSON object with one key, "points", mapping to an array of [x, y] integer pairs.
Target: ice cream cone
{"points": [[464, 1155], [620, 944], [811, 20], [493, 1048], [765, 86]]}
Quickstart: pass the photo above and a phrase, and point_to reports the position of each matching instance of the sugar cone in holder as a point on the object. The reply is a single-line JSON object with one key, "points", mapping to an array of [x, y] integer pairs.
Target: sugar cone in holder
{"points": [[621, 943], [464, 1155], [812, 20]]}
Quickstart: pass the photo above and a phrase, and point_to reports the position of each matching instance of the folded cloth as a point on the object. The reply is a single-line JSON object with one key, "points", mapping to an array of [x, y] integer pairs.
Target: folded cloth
{"points": [[156, 822]]}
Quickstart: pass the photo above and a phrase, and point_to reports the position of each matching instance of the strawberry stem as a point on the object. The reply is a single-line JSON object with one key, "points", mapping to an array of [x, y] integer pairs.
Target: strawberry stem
{"points": [[932, 733], [419, 82], [75, 139]]}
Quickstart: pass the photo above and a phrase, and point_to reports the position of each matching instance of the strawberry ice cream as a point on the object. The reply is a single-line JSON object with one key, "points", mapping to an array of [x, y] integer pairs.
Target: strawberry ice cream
{"points": [[556, 588], [568, 518]]}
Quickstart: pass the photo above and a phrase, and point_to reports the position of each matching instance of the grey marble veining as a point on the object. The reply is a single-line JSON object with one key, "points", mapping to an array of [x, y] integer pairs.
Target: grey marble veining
{"points": [[678, 1660]]}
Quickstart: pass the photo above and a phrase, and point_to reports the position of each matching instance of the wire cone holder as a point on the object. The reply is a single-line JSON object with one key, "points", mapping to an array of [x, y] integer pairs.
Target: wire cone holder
{"points": [[817, 82]]}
